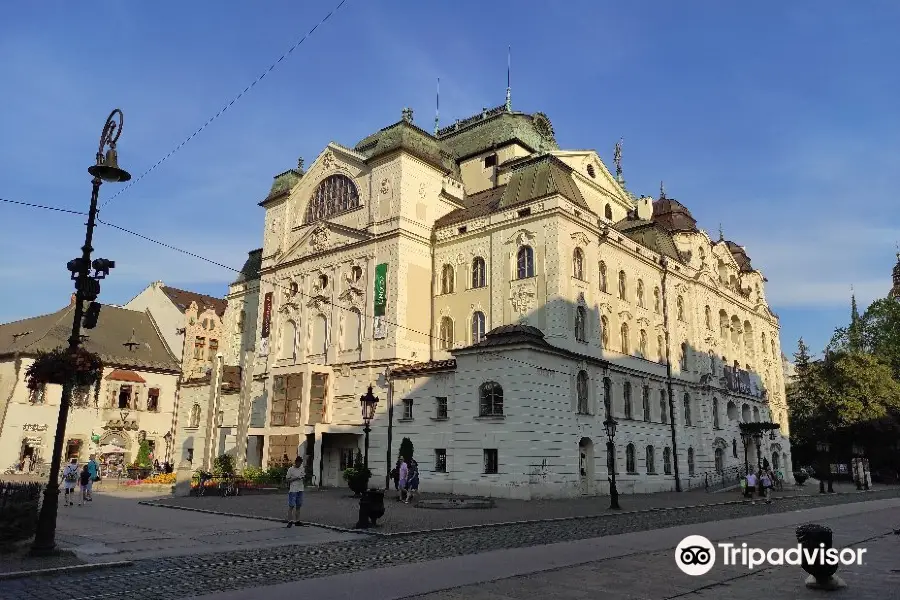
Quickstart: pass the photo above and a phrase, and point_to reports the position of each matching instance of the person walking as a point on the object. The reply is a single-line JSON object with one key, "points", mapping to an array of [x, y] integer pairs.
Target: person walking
{"points": [[70, 480], [403, 478], [94, 470], [412, 484], [395, 475], [294, 479], [765, 481], [752, 482], [85, 480]]}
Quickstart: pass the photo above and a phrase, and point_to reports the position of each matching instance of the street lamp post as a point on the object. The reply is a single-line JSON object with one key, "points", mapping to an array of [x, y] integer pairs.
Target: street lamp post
{"points": [[746, 438], [87, 288], [610, 425], [822, 448], [368, 402], [757, 437]]}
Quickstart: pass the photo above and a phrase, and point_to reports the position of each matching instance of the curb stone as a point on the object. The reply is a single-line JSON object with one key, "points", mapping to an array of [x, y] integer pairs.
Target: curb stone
{"points": [[65, 570], [503, 523]]}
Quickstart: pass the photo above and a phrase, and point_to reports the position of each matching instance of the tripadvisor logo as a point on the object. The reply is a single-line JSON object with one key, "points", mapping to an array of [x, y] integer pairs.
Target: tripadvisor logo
{"points": [[696, 555]]}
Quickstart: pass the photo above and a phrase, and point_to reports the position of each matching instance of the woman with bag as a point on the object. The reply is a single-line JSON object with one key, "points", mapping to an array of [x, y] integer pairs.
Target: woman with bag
{"points": [[70, 479]]}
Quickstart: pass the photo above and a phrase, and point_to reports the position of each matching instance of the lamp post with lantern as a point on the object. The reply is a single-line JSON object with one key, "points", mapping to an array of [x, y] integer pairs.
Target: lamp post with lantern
{"points": [[746, 438], [610, 425], [87, 275], [368, 402]]}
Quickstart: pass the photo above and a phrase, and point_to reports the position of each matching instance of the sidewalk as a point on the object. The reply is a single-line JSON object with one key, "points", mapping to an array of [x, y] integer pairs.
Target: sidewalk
{"points": [[629, 567], [338, 508]]}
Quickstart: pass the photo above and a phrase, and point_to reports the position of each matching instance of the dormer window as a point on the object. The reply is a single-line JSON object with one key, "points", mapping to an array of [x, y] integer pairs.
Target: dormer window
{"points": [[490, 161], [323, 281]]}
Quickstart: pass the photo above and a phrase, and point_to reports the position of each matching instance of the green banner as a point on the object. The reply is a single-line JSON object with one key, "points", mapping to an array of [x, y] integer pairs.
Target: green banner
{"points": [[380, 289]]}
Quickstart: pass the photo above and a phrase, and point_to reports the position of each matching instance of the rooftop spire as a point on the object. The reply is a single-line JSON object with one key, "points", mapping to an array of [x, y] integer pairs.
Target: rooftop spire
{"points": [[721, 233], [617, 158], [508, 86], [437, 107], [662, 190]]}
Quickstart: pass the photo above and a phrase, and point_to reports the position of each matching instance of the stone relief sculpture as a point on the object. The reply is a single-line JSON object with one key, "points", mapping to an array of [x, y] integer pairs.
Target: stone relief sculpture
{"points": [[328, 160], [523, 300], [319, 239]]}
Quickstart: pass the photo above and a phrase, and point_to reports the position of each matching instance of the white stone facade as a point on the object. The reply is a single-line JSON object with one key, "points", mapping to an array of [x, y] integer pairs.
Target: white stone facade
{"points": [[489, 224]]}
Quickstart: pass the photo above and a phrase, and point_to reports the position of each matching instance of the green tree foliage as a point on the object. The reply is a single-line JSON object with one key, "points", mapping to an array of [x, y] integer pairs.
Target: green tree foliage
{"points": [[876, 332], [143, 456], [406, 448], [223, 465]]}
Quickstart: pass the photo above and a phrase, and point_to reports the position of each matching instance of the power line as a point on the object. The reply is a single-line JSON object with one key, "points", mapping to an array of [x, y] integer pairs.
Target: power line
{"points": [[56, 208], [147, 238], [227, 106]]}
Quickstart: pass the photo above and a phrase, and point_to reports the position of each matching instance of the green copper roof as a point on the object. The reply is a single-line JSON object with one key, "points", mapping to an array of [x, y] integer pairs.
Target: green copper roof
{"points": [[285, 181], [541, 176], [495, 128], [404, 135]]}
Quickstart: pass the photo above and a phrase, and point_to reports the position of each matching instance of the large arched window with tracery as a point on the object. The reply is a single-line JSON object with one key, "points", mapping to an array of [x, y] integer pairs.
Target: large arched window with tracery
{"points": [[334, 194]]}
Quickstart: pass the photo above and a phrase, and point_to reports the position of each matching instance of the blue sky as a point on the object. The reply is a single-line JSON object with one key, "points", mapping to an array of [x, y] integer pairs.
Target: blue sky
{"points": [[779, 122]]}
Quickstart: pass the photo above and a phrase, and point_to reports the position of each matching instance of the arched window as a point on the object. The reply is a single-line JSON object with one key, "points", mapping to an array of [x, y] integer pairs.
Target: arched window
{"points": [[491, 399], [745, 413], [734, 447], [640, 293], [625, 345], [650, 460], [319, 342], [772, 344], [356, 273], [684, 356], [707, 317], [667, 460], [446, 333], [447, 279], [603, 282], [626, 394], [663, 407], [335, 194], [723, 324], [656, 301], [622, 285], [687, 410], [607, 212], [581, 388], [580, 316], [352, 330], [323, 282], [679, 304], [479, 273], [690, 461], [477, 326], [701, 254], [775, 460], [643, 343], [630, 467], [764, 348], [720, 460], [289, 340], [604, 332], [195, 416], [645, 400], [607, 397], [715, 410], [712, 363], [578, 264], [525, 263], [731, 410], [293, 289], [661, 347], [755, 414]]}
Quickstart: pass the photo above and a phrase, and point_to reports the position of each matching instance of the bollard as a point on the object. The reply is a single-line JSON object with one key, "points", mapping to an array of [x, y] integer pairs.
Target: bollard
{"points": [[821, 576]]}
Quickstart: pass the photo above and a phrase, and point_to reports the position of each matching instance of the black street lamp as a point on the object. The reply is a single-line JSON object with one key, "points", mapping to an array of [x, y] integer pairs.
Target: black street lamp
{"points": [[757, 437], [368, 402], [610, 425], [86, 275], [746, 438], [823, 448]]}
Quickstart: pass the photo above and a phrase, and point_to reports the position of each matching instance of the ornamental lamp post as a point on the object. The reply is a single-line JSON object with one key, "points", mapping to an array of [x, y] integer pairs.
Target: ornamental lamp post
{"points": [[746, 438], [87, 276], [822, 448], [368, 402], [610, 425], [757, 437]]}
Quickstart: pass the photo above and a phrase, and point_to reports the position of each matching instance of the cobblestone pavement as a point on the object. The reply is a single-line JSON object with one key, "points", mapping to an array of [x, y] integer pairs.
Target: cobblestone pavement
{"points": [[337, 507], [654, 575], [168, 578]]}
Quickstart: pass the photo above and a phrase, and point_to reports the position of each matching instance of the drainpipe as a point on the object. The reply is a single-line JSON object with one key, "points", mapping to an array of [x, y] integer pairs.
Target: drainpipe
{"points": [[431, 304], [664, 262], [390, 398]]}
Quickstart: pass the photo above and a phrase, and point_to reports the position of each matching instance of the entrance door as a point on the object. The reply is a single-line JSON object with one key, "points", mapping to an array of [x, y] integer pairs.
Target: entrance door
{"points": [[586, 465]]}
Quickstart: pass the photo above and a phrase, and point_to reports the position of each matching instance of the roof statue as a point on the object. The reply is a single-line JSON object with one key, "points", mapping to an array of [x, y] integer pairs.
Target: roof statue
{"points": [[721, 233], [407, 115], [617, 158], [662, 190]]}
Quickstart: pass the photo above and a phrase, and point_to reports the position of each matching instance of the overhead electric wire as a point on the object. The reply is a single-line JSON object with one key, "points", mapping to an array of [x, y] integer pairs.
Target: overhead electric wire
{"points": [[56, 208], [227, 106], [147, 238]]}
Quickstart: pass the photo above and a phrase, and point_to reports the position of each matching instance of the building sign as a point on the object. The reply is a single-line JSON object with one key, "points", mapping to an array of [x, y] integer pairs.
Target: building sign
{"points": [[380, 328], [34, 427], [266, 325], [744, 382]]}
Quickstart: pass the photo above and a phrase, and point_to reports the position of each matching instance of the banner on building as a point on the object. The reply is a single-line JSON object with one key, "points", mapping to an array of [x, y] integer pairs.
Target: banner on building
{"points": [[380, 289], [266, 325]]}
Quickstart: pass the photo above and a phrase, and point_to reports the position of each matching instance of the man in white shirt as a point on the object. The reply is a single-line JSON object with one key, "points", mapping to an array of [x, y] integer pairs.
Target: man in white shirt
{"points": [[294, 479], [752, 481]]}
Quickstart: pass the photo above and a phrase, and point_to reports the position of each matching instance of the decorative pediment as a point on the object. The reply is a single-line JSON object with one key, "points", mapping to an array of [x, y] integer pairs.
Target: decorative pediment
{"points": [[580, 239], [711, 340], [660, 327], [521, 237], [605, 307], [352, 295], [643, 321], [626, 315], [681, 288], [317, 303], [321, 237], [289, 307]]}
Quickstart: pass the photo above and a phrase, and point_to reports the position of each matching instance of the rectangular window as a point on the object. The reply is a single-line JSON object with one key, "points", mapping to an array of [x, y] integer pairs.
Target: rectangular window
{"points": [[189, 455], [153, 400], [286, 400], [199, 345], [213, 349], [491, 461], [525, 212], [347, 456], [37, 396], [407, 409], [490, 161], [463, 229], [440, 460], [125, 397], [440, 407]]}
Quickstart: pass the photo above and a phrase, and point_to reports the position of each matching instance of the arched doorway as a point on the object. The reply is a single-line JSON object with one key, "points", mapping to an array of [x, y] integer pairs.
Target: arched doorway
{"points": [[586, 465]]}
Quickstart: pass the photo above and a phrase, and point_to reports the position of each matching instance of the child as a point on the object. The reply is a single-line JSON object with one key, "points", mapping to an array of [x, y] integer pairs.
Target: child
{"points": [[70, 479], [85, 484]]}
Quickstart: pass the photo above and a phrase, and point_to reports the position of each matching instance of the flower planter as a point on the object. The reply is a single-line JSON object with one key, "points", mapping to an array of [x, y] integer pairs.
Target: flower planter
{"points": [[358, 485], [813, 536]]}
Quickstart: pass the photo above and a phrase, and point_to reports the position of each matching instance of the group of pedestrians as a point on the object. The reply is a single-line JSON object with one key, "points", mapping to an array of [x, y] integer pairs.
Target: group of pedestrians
{"points": [[406, 479], [85, 477], [761, 482]]}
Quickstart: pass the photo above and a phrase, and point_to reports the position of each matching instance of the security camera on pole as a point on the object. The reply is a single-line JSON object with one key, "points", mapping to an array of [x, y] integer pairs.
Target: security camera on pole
{"points": [[87, 276]]}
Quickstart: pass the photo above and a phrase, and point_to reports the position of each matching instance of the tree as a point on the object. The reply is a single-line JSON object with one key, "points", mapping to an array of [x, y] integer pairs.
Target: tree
{"points": [[143, 456], [861, 389], [406, 448], [877, 332]]}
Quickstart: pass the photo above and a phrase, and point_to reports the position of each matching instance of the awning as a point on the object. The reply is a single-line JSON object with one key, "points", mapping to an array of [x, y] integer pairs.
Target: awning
{"points": [[123, 375]]}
